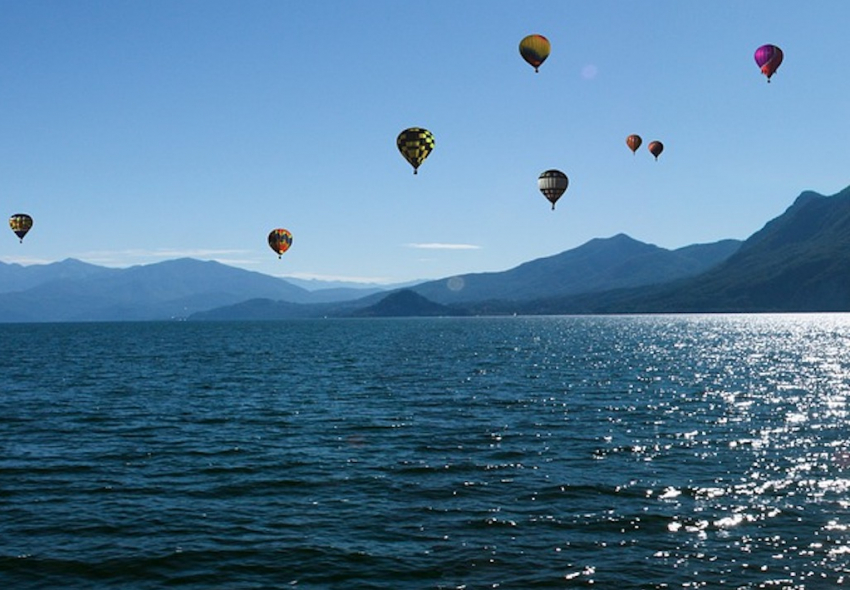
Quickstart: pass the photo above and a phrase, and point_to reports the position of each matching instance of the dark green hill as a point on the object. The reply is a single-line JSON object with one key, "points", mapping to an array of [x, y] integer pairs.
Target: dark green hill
{"points": [[405, 303]]}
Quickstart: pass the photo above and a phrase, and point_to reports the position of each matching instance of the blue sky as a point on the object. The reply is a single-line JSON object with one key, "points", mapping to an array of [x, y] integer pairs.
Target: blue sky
{"points": [[135, 131]]}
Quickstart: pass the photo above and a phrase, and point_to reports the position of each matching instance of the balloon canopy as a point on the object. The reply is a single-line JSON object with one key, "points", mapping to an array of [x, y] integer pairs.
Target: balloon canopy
{"points": [[415, 144], [655, 148], [20, 224], [553, 184], [280, 240], [768, 57], [534, 49]]}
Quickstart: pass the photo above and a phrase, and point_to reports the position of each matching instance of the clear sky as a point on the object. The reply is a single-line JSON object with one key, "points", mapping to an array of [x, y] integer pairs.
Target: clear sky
{"points": [[135, 131]]}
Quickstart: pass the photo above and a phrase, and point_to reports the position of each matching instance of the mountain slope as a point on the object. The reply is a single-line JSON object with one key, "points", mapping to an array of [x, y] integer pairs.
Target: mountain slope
{"points": [[261, 309], [799, 261], [595, 266], [598, 265], [406, 303], [16, 277], [171, 289]]}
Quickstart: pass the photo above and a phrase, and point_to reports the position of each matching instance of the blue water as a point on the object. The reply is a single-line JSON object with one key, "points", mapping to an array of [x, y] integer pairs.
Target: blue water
{"points": [[557, 452]]}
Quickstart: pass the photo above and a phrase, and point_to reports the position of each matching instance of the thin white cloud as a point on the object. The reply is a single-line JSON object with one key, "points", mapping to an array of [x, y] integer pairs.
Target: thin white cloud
{"points": [[308, 276], [26, 260], [441, 246]]}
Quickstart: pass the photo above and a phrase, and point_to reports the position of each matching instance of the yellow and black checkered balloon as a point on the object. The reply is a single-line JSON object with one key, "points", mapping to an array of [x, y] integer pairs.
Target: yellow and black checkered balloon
{"points": [[415, 144]]}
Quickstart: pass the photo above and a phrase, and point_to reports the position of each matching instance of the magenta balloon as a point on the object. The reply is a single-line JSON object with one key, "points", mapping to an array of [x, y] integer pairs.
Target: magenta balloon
{"points": [[765, 53]]}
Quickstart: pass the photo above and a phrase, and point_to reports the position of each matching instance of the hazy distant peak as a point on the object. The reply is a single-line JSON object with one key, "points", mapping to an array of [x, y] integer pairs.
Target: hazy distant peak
{"points": [[75, 263], [185, 261], [618, 243], [617, 238]]}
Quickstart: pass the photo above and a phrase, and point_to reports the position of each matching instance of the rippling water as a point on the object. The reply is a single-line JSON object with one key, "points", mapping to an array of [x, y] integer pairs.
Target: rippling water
{"points": [[558, 452]]}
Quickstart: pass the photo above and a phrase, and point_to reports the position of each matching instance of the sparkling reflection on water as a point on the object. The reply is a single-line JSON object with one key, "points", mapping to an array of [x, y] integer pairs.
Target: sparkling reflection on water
{"points": [[629, 452], [772, 424]]}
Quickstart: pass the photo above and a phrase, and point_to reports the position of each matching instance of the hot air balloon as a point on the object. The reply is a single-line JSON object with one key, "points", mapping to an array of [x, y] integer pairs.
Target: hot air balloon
{"points": [[633, 141], [553, 184], [415, 144], [280, 240], [655, 148], [768, 57], [534, 49], [20, 224]]}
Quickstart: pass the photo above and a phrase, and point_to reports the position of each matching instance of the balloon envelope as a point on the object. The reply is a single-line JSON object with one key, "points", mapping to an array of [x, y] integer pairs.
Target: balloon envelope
{"points": [[20, 224], [280, 240], [553, 184], [534, 49], [768, 57], [415, 144], [633, 141], [655, 148]]}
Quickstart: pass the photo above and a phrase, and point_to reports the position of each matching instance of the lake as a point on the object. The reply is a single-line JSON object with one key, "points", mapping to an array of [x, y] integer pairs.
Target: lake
{"points": [[523, 452]]}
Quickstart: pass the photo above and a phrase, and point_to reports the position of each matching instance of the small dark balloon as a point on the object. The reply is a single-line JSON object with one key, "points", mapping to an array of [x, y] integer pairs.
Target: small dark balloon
{"points": [[655, 148]]}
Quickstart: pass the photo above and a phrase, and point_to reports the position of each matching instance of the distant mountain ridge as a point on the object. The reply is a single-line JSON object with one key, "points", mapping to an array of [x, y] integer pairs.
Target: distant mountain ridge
{"points": [[598, 265], [16, 277], [76, 291], [799, 261]]}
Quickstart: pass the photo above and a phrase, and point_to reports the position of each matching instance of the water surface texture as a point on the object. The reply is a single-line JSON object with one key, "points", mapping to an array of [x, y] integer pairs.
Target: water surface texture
{"points": [[556, 452]]}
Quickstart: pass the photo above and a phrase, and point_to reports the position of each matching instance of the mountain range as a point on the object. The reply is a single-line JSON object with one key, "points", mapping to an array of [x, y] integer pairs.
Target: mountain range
{"points": [[799, 261], [72, 290]]}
